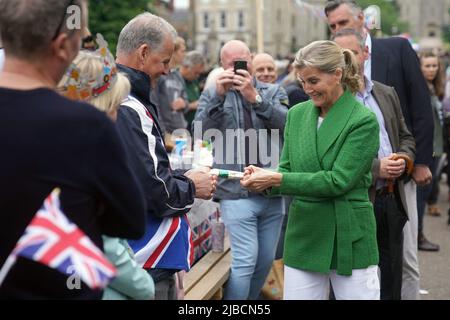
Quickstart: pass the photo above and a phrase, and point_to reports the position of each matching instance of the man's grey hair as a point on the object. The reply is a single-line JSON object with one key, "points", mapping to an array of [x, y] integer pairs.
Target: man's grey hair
{"points": [[350, 32], [334, 4], [27, 27], [193, 58], [145, 28]]}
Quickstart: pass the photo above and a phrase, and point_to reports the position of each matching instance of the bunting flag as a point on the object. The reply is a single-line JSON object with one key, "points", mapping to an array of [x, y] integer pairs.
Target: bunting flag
{"points": [[316, 11]]}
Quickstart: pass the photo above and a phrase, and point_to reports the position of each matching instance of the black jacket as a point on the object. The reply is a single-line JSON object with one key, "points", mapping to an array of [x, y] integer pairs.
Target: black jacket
{"points": [[47, 141], [167, 193], [295, 93], [395, 63]]}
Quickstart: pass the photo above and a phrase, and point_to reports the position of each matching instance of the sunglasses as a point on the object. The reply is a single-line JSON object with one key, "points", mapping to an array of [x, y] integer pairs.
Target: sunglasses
{"points": [[60, 25]]}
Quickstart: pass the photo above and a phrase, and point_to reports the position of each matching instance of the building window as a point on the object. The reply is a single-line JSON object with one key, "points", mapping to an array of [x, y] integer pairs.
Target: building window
{"points": [[279, 16], [223, 19], [432, 27], [241, 22], [293, 21], [206, 20], [294, 45]]}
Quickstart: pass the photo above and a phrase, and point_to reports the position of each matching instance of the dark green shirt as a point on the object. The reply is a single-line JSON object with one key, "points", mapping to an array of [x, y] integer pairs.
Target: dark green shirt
{"points": [[193, 93]]}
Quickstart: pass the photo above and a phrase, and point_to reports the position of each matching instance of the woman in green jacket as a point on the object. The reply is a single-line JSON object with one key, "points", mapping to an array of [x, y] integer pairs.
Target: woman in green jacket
{"points": [[330, 143]]}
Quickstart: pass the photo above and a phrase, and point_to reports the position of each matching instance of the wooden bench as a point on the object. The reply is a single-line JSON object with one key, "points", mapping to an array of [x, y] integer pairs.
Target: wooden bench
{"points": [[207, 277]]}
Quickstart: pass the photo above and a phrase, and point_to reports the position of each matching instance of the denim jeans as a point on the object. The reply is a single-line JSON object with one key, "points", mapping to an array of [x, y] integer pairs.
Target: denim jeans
{"points": [[254, 227], [280, 247]]}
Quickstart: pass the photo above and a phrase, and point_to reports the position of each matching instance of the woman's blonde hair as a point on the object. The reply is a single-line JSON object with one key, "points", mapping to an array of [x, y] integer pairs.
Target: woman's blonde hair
{"points": [[179, 41], [90, 66], [327, 57]]}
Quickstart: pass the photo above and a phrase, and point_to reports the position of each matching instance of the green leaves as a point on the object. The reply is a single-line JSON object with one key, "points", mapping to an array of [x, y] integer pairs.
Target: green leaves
{"points": [[390, 22], [108, 17]]}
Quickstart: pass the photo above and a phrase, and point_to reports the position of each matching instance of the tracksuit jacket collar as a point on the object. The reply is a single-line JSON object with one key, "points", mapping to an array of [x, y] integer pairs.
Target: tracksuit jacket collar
{"points": [[140, 88]]}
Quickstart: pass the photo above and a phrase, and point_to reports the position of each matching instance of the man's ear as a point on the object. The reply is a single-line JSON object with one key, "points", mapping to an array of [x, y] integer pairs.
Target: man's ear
{"points": [[366, 53], [64, 47], [361, 19], [143, 52]]}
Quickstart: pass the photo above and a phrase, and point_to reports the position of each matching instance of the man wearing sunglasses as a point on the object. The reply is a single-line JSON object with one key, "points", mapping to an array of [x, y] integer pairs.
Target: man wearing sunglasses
{"points": [[48, 141]]}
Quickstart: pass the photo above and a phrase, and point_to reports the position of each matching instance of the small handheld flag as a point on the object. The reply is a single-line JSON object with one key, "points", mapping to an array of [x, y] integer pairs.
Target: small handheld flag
{"points": [[56, 242]]}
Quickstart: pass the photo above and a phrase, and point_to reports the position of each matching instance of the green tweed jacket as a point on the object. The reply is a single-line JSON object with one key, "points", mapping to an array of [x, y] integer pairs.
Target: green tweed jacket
{"points": [[331, 222]]}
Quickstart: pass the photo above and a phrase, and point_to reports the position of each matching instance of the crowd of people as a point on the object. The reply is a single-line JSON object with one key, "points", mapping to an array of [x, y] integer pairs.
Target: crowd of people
{"points": [[341, 154]]}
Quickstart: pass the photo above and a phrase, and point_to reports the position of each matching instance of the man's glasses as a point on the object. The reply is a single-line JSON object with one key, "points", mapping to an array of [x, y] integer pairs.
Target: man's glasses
{"points": [[58, 30]]}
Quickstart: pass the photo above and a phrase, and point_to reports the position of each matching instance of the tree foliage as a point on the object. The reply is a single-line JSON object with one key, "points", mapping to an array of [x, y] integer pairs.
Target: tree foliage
{"points": [[108, 17], [390, 23], [446, 31]]}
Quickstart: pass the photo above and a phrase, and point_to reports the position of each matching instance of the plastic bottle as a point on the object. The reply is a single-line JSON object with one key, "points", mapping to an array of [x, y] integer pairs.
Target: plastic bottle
{"points": [[217, 233], [227, 174]]}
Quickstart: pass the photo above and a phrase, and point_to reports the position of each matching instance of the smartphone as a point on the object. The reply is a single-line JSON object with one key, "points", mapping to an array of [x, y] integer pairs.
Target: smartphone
{"points": [[240, 65]]}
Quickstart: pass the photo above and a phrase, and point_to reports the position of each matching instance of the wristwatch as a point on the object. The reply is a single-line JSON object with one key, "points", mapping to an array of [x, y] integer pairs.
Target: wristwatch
{"points": [[258, 99]]}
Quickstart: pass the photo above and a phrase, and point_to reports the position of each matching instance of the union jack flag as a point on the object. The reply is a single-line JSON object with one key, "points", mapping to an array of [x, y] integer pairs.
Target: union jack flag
{"points": [[202, 239], [167, 244], [56, 242]]}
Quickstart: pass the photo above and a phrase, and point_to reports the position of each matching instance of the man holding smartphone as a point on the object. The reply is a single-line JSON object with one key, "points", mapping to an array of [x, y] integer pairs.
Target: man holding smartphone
{"points": [[255, 113], [237, 76]]}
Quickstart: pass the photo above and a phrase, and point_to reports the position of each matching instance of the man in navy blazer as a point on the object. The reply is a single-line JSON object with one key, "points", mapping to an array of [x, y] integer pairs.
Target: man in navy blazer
{"points": [[393, 62]]}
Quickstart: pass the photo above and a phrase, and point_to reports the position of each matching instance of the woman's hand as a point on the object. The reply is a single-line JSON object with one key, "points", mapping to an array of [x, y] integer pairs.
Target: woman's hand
{"points": [[257, 180]]}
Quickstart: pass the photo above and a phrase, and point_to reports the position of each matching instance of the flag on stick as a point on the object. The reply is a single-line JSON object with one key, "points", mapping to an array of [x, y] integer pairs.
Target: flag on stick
{"points": [[53, 240]]}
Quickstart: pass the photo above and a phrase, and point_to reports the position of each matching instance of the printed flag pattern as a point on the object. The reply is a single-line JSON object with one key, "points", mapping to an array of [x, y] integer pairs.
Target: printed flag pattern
{"points": [[168, 244], [56, 242], [202, 239]]}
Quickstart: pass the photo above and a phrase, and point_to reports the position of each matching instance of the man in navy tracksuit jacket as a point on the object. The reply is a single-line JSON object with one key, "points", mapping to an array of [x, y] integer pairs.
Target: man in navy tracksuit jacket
{"points": [[166, 247]]}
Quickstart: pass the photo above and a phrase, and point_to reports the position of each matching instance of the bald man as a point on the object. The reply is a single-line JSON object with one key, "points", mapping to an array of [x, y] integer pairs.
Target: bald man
{"points": [[240, 103], [265, 68]]}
